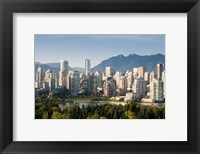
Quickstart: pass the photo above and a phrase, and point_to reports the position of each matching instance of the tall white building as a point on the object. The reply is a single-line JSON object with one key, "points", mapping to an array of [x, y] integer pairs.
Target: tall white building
{"points": [[146, 76], [117, 78], [144, 88], [63, 65], [122, 87], [56, 81], [130, 78], [95, 82], [156, 90], [74, 82], [140, 71], [109, 71], [164, 83], [52, 82], [153, 89], [63, 73], [160, 69], [151, 76], [87, 67], [39, 78], [159, 90], [109, 88], [138, 87], [98, 75], [135, 73], [47, 76]]}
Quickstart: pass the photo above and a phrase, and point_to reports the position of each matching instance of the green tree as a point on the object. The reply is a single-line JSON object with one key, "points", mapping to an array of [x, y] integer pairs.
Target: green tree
{"points": [[56, 115], [45, 115], [130, 115]]}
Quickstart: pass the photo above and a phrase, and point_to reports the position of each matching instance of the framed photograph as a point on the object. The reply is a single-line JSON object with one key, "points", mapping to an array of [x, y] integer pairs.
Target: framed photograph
{"points": [[99, 88], [99, 76]]}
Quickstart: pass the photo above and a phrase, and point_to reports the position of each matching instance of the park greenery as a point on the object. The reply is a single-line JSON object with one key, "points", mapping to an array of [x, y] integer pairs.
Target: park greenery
{"points": [[104, 111], [47, 107]]}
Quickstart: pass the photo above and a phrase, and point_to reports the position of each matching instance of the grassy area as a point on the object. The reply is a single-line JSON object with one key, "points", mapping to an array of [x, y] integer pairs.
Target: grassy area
{"points": [[87, 99]]}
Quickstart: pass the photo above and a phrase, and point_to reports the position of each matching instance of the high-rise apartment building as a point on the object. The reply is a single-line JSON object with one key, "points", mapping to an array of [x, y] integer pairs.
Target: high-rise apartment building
{"points": [[140, 71], [151, 76], [63, 73], [138, 87], [164, 83], [146, 76], [122, 87], [159, 90], [39, 78], [98, 76], [153, 89], [160, 69], [47, 76], [156, 90], [135, 73], [109, 88], [87, 67], [117, 77], [130, 78], [74, 82], [109, 71], [63, 65]]}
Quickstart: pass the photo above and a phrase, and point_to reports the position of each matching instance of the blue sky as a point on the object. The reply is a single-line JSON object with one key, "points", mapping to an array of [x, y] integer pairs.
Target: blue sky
{"points": [[98, 47]]}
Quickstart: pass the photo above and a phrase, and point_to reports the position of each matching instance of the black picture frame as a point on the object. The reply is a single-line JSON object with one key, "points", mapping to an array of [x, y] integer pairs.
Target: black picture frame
{"points": [[8, 7]]}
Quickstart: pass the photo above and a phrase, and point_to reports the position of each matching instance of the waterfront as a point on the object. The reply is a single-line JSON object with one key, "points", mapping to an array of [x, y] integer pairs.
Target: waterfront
{"points": [[81, 104]]}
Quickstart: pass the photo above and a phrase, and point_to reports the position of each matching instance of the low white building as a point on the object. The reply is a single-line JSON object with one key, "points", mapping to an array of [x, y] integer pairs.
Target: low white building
{"points": [[129, 97]]}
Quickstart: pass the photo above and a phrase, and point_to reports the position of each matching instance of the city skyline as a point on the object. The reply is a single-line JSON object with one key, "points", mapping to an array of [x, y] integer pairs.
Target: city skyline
{"points": [[116, 77], [133, 84], [119, 63], [52, 48]]}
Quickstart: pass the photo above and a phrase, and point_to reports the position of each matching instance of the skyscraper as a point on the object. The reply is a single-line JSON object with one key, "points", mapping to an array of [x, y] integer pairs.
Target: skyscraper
{"points": [[39, 77], [151, 77], [109, 88], [156, 90], [98, 75], [160, 69], [63, 65], [109, 71], [52, 82], [164, 83], [140, 71], [74, 82], [56, 80], [135, 72], [146, 76], [47, 76], [63, 73], [138, 87], [153, 89], [117, 77], [159, 90], [129, 79], [122, 87], [87, 67]]}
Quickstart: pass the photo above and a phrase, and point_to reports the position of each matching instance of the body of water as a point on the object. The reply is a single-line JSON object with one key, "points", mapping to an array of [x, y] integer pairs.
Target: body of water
{"points": [[81, 104]]}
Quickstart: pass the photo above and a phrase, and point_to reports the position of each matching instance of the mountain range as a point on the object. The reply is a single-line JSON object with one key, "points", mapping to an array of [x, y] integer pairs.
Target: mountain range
{"points": [[119, 63]]}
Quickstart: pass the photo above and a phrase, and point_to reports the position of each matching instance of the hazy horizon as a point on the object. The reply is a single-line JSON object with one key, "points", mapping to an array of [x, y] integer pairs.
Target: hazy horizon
{"points": [[91, 59], [76, 48]]}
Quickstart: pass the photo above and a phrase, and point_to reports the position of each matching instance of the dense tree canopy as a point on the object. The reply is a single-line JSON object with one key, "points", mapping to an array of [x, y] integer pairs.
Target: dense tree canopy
{"points": [[105, 111]]}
